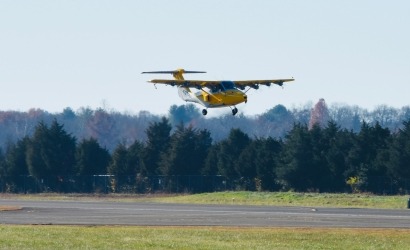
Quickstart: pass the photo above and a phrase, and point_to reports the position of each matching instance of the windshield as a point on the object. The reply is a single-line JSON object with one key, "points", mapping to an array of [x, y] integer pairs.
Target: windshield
{"points": [[227, 85]]}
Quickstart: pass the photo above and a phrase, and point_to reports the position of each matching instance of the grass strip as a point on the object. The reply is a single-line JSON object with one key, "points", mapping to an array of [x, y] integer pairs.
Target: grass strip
{"points": [[239, 198], [120, 237], [293, 199]]}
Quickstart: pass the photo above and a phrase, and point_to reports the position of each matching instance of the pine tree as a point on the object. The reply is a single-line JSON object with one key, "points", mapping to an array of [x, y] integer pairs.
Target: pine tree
{"points": [[120, 169], [267, 161], [135, 162], [296, 170], [91, 158], [119, 162], [211, 160], [228, 157], [368, 155], [51, 154], [399, 154], [158, 139], [337, 144], [186, 155], [15, 162]]}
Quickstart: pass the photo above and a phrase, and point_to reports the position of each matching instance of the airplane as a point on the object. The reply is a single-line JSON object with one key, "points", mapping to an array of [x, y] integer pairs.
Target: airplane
{"points": [[212, 94]]}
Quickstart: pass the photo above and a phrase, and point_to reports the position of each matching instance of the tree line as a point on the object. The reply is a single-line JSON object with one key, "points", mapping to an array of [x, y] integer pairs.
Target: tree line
{"points": [[110, 127], [316, 157]]}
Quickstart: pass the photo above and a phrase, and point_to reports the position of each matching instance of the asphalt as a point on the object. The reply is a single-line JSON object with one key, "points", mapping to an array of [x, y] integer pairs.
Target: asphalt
{"points": [[162, 214]]}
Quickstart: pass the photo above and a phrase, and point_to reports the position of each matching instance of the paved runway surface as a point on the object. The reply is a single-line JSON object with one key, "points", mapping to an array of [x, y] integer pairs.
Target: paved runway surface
{"points": [[136, 213]]}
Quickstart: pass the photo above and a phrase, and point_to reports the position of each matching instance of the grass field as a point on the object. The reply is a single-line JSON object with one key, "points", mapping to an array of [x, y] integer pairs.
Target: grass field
{"points": [[109, 237], [293, 199], [127, 237], [244, 198]]}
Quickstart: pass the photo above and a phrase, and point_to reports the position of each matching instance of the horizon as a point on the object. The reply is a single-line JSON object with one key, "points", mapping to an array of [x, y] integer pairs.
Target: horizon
{"points": [[222, 111]]}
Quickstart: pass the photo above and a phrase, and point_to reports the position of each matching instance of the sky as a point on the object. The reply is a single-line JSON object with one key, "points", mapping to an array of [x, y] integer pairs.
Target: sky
{"points": [[90, 53]]}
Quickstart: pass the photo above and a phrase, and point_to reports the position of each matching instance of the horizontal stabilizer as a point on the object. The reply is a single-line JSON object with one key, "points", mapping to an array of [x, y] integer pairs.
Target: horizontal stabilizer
{"points": [[173, 72]]}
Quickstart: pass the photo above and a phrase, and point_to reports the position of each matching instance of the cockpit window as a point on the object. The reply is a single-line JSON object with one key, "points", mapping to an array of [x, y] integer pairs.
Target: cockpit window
{"points": [[227, 85], [223, 86]]}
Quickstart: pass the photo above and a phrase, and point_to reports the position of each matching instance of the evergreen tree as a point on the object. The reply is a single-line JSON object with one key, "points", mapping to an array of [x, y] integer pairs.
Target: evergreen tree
{"points": [[158, 139], [368, 155], [51, 154], [228, 157], [119, 163], [91, 159], [203, 143], [120, 168], [399, 154], [186, 155], [15, 162], [297, 167], [3, 174], [180, 157], [39, 146], [134, 156], [211, 160], [61, 157], [267, 161], [126, 166], [337, 144], [245, 166]]}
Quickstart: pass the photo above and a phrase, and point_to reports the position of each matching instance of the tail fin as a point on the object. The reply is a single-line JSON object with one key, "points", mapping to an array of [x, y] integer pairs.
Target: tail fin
{"points": [[176, 73]]}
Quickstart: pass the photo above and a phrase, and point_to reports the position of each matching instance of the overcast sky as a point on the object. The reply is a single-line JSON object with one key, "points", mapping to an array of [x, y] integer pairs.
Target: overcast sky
{"points": [[57, 54]]}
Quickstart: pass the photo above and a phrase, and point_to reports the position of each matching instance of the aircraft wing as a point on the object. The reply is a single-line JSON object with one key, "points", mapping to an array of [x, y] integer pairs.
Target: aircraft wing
{"points": [[255, 83], [186, 83], [205, 83]]}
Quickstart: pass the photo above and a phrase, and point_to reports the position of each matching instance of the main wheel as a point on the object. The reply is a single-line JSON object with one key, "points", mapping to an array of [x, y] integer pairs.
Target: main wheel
{"points": [[234, 111], [204, 112]]}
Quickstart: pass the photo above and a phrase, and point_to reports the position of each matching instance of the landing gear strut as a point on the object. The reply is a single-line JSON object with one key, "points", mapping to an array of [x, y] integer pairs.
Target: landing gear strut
{"points": [[204, 112]]}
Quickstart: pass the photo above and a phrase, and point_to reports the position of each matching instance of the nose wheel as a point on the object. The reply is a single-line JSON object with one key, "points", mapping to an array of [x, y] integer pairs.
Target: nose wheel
{"points": [[204, 112]]}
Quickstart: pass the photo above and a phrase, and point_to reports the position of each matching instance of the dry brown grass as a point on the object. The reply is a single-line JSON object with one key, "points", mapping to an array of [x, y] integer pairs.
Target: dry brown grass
{"points": [[9, 208]]}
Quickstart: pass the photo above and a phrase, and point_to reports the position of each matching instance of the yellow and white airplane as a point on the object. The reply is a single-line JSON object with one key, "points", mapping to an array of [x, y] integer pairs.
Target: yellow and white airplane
{"points": [[212, 94]]}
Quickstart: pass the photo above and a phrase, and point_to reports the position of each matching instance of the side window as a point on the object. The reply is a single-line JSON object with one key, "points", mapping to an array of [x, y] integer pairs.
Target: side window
{"points": [[216, 88]]}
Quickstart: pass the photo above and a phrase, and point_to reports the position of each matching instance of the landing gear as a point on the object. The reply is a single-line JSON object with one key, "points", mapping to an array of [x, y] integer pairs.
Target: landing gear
{"points": [[234, 111], [204, 112]]}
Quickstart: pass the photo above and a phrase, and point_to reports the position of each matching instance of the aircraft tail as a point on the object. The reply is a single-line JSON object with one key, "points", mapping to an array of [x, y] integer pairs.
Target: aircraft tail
{"points": [[187, 95]]}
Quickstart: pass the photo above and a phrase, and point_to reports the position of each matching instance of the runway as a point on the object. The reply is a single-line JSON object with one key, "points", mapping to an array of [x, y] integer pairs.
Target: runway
{"points": [[162, 214]]}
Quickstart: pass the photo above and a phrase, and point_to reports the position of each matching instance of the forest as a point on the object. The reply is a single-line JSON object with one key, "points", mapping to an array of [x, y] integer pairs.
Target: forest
{"points": [[313, 148]]}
